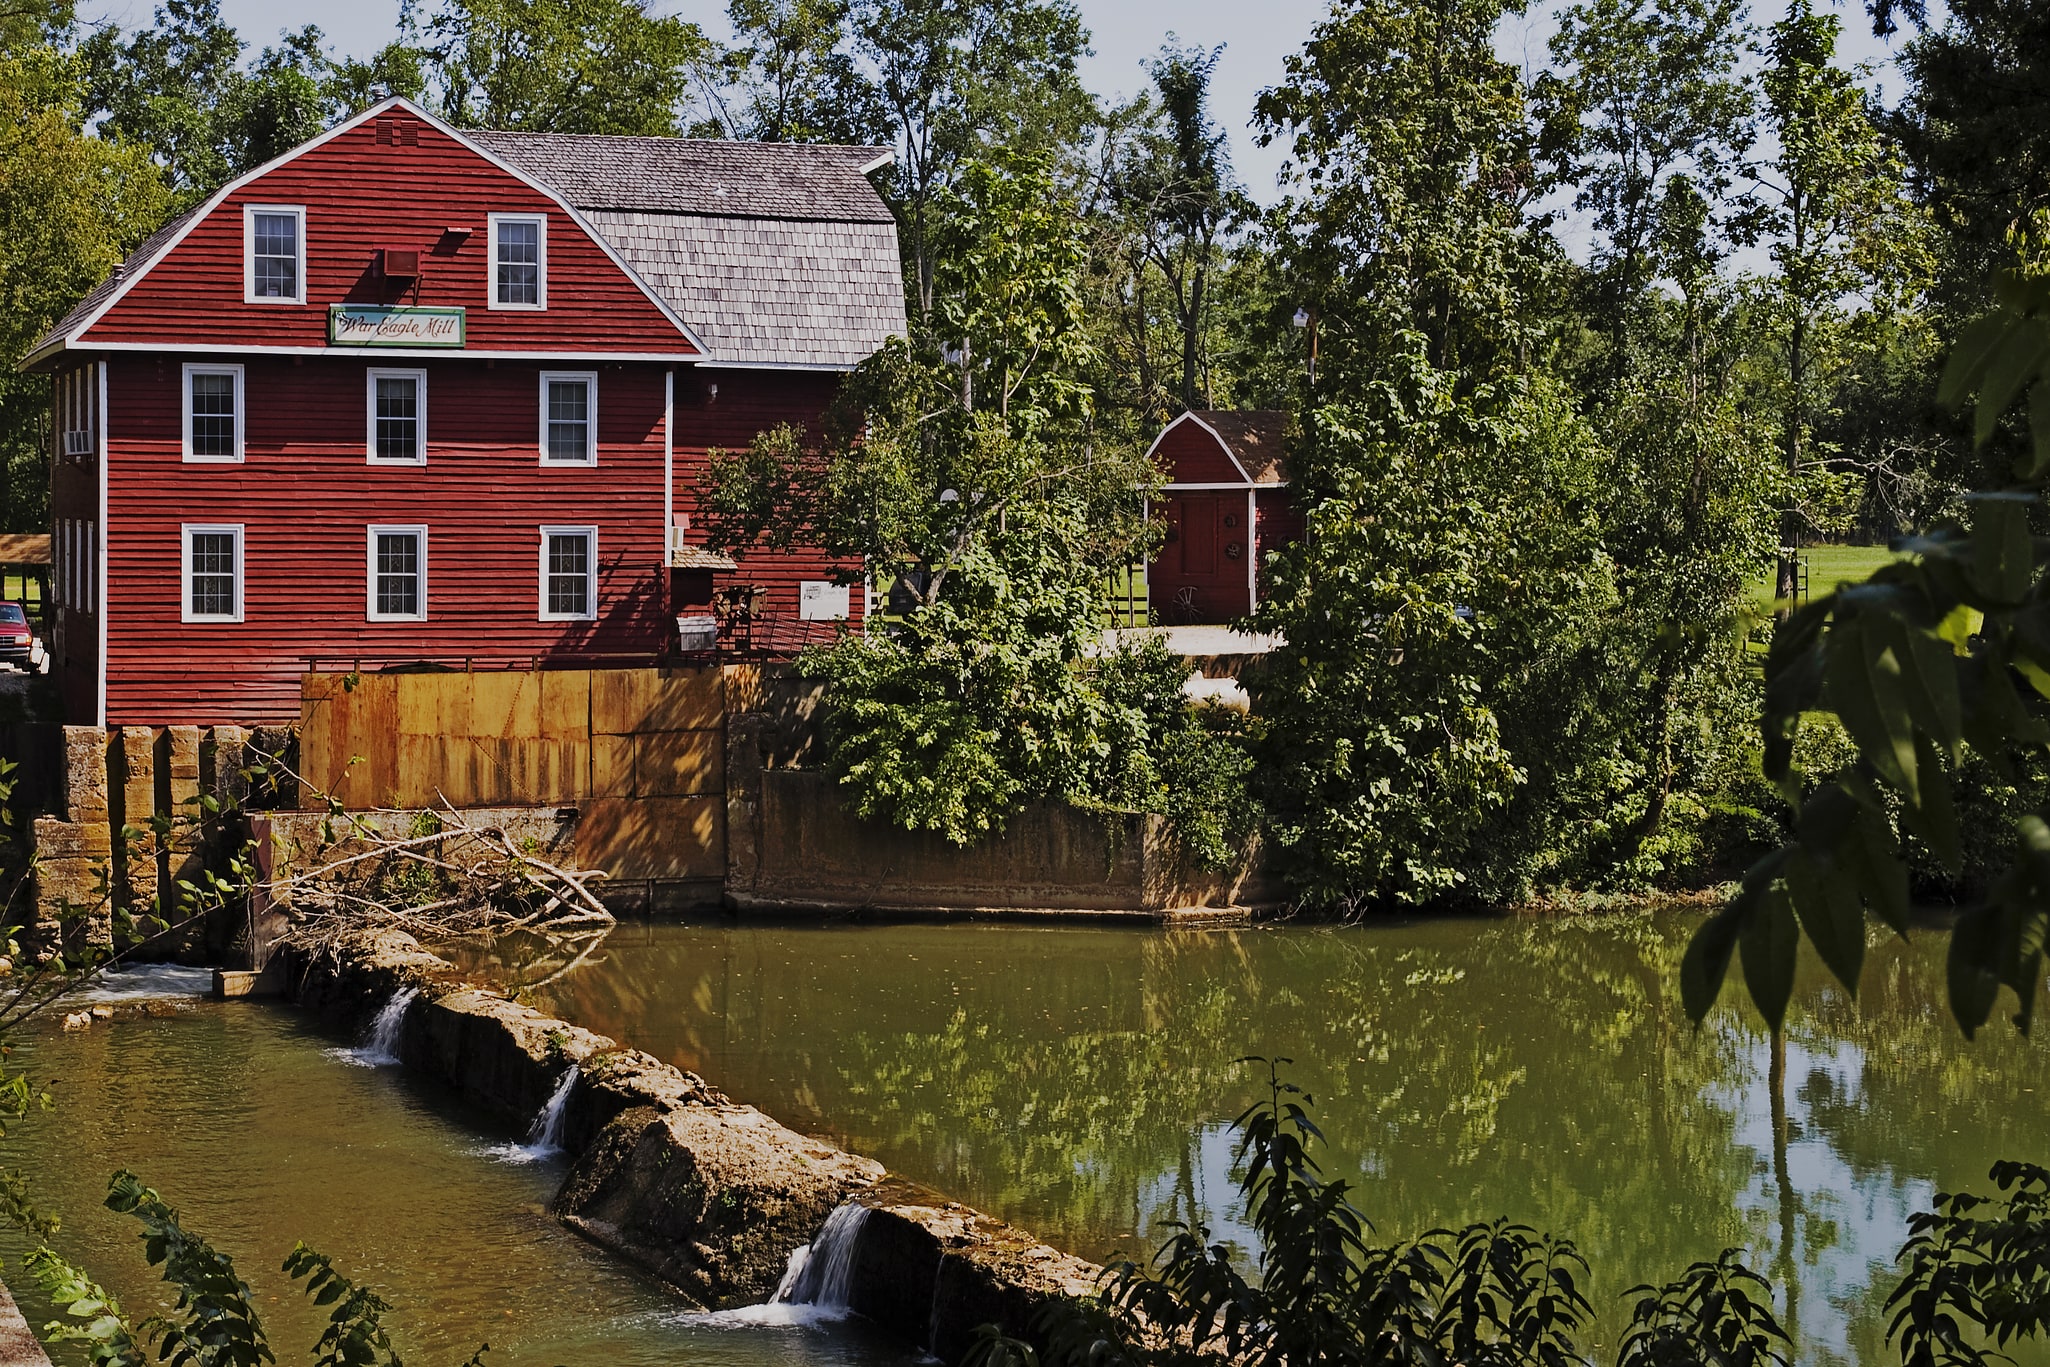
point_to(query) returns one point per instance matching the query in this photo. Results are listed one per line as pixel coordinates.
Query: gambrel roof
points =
(1253, 440)
(777, 254)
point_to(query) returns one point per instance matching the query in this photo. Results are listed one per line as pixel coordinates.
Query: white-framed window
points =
(519, 261)
(569, 574)
(395, 579)
(569, 417)
(213, 413)
(211, 572)
(396, 403)
(274, 254)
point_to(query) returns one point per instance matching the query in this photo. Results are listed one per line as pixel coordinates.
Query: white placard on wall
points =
(819, 601)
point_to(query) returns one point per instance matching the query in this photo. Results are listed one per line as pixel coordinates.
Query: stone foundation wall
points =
(709, 1195)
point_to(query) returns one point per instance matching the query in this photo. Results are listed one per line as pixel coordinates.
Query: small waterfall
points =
(380, 1046)
(822, 1273)
(544, 1136)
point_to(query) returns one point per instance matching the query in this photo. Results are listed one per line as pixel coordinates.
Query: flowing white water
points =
(544, 1137)
(143, 982)
(817, 1285)
(380, 1047)
(822, 1274)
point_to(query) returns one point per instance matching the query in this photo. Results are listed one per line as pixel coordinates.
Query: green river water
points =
(1081, 1081)
(249, 1123)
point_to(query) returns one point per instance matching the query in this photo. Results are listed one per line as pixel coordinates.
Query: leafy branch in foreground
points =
(214, 1322)
(1977, 1270)
(1927, 657)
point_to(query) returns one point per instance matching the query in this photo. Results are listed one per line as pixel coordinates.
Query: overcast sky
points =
(1256, 34)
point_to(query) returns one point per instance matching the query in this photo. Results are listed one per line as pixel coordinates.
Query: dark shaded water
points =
(247, 1123)
(1081, 1082)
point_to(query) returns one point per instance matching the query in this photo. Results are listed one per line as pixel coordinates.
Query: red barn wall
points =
(361, 195)
(1189, 454)
(749, 402)
(305, 496)
(1278, 522)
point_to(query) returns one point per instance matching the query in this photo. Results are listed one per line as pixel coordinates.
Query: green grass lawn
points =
(1828, 566)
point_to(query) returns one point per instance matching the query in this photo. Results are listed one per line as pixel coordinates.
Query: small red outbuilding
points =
(1226, 504)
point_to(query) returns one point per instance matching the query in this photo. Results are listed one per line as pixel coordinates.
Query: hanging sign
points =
(401, 325)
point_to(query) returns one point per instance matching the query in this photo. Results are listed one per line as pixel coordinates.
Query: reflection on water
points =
(1081, 1081)
(235, 1113)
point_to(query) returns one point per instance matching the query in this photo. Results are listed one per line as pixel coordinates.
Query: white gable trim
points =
(1215, 436)
(215, 200)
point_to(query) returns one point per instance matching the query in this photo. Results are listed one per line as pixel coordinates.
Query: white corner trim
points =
(100, 705)
(185, 451)
(589, 378)
(370, 535)
(590, 575)
(668, 472)
(370, 378)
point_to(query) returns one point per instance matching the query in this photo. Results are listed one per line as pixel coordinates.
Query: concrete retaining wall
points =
(793, 845)
(707, 1194)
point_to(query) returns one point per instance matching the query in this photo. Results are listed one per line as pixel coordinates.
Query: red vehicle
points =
(15, 636)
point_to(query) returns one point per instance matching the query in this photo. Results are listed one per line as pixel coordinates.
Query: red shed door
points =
(1193, 580)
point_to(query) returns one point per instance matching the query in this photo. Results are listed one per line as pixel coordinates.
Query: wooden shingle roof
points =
(1254, 438)
(775, 254)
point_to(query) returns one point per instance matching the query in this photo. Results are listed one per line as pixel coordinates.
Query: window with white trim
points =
(274, 254)
(519, 261)
(396, 590)
(569, 574)
(397, 402)
(569, 417)
(212, 577)
(213, 413)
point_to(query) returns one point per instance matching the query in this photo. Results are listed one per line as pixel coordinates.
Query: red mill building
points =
(412, 393)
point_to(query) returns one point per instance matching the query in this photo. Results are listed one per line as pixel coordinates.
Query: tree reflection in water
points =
(1079, 1081)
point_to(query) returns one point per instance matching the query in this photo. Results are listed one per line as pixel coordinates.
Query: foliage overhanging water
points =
(1080, 1081)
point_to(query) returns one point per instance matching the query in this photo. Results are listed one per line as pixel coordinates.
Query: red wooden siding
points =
(305, 496)
(361, 195)
(1196, 578)
(1189, 454)
(750, 402)
(1278, 522)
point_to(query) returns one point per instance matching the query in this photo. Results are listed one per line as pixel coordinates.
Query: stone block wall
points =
(130, 824)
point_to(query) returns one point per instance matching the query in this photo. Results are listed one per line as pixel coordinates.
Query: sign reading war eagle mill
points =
(399, 325)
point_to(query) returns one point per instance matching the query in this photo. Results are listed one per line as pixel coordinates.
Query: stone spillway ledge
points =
(710, 1195)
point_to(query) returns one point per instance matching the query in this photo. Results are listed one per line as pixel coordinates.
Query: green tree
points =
(1830, 207)
(957, 80)
(1415, 148)
(1642, 92)
(1975, 127)
(179, 89)
(587, 66)
(1932, 655)
(1172, 193)
(972, 478)
(797, 80)
(72, 204)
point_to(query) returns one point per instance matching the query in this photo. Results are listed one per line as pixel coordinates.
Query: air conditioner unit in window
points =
(400, 265)
(78, 443)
